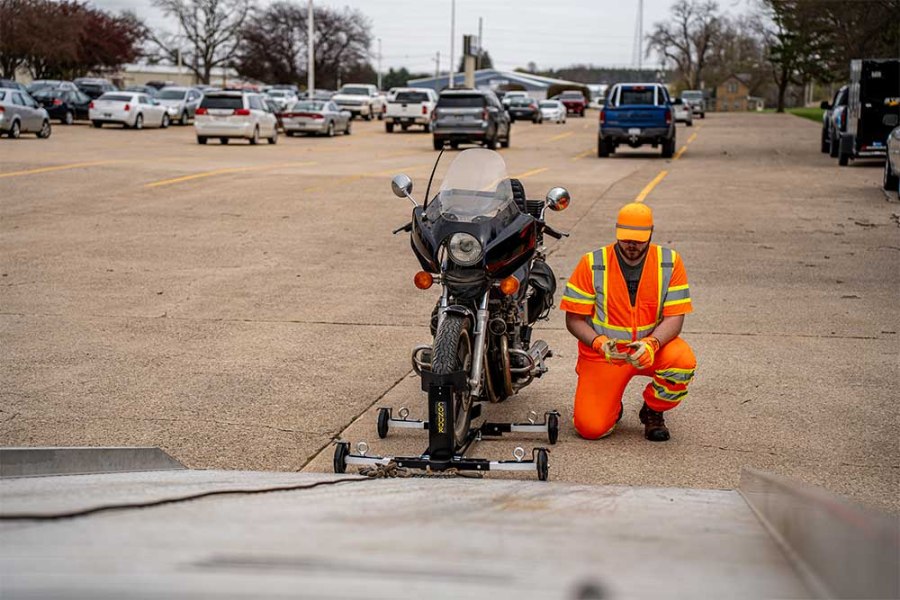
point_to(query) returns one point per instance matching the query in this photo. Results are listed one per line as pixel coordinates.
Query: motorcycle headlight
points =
(465, 249)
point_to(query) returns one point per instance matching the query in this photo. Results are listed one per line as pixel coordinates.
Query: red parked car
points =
(574, 101)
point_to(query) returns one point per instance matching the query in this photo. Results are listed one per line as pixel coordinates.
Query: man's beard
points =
(633, 253)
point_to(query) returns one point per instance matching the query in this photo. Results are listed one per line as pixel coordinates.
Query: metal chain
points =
(392, 470)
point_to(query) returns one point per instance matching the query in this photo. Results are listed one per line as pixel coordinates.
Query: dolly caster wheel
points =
(542, 463)
(341, 452)
(553, 427)
(384, 418)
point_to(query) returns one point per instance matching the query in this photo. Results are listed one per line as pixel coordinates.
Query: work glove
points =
(643, 352)
(614, 351)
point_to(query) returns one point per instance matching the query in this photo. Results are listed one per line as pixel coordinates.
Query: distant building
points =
(137, 74)
(494, 79)
(733, 95)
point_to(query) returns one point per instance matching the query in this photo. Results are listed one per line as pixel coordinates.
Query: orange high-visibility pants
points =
(598, 397)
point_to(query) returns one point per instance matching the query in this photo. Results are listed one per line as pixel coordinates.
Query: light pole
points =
(452, 36)
(379, 64)
(310, 50)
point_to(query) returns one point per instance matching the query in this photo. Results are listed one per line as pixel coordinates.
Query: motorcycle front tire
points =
(452, 351)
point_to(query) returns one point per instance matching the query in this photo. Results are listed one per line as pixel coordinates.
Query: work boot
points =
(654, 422)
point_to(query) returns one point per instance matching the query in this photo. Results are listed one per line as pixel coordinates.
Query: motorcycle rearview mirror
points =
(402, 186)
(558, 199)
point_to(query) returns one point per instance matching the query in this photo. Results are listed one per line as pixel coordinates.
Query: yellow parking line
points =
(680, 152)
(206, 174)
(649, 187)
(561, 136)
(531, 172)
(57, 168)
(584, 154)
(692, 138)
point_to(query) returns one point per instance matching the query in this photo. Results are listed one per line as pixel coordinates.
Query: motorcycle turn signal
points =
(509, 286)
(423, 280)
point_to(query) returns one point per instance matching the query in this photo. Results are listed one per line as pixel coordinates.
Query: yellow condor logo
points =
(441, 417)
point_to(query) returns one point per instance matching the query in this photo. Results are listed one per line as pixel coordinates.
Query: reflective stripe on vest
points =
(600, 269)
(666, 264)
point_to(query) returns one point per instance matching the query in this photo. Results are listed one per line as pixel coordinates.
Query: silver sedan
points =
(323, 118)
(553, 110)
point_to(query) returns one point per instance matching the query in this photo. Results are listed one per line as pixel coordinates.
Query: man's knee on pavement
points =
(594, 429)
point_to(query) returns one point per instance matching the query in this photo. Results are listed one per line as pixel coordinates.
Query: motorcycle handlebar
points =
(554, 233)
(407, 228)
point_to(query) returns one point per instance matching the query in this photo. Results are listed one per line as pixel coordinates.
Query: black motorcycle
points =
(481, 239)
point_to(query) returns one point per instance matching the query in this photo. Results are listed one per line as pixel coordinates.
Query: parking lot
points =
(242, 306)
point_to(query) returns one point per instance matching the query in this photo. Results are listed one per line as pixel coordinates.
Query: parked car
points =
(227, 115)
(360, 100)
(160, 84)
(55, 84)
(511, 95)
(317, 95)
(94, 87)
(285, 98)
(524, 109)
(19, 114)
(553, 110)
(9, 84)
(470, 116)
(129, 110)
(275, 109)
(683, 112)
(892, 163)
(181, 102)
(830, 118)
(410, 106)
(64, 105)
(697, 101)
(316, 117)
(873, 108)
(636, 114)
(284, 86)
(143, 89)
(574, 101)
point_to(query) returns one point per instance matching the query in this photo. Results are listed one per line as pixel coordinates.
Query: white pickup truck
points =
(410, 106)
(361, 100)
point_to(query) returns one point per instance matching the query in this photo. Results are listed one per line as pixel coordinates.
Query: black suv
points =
(873, 108)
(94, 87)
(470, 116)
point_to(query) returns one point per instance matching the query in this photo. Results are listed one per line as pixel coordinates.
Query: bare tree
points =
(209, 33)
(687, 41)
(739, 50)
(341, 45)
(274, 45)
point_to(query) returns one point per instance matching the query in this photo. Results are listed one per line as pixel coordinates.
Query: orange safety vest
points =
(614, 316)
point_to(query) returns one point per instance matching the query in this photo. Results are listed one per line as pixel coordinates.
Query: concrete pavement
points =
(245, 318)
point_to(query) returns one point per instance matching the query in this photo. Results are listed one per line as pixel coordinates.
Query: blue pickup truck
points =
(637, 114)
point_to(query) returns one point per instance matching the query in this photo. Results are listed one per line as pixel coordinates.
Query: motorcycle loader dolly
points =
(550, 424)
(539, 461)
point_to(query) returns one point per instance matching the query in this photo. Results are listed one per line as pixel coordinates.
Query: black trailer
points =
(873, 108)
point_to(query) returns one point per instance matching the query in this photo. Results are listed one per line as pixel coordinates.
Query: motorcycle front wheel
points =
(452, 351)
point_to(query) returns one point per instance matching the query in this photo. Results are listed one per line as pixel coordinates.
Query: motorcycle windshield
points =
(476, 188)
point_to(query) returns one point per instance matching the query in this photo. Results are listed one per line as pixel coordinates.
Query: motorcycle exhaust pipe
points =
(497, 326)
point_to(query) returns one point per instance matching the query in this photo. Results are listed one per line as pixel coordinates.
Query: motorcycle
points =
(482, 240)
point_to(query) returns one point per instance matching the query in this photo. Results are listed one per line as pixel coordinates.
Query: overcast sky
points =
(550, 33)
